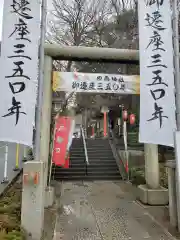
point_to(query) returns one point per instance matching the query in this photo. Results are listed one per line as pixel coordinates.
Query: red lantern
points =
(132, 119)
(125, 115)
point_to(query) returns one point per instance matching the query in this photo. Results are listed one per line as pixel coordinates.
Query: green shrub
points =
(10, 215)
(137, 176)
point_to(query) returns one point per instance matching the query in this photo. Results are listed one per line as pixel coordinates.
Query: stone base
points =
(153, 197)
(49, 197)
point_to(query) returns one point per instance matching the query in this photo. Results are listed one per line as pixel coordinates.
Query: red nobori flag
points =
(63, 126)
(67, 162)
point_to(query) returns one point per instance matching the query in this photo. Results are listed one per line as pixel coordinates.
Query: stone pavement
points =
(102, 211)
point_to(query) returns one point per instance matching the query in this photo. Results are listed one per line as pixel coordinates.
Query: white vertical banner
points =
(125, 135)
(19, 70)
(157, 101)
(71, 134)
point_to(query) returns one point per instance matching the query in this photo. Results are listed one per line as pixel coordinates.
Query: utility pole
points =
(40, 80)
(177, 99)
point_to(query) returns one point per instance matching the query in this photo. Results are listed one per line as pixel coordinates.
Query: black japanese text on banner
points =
(157, 101)
(95, 82)
(19, 70)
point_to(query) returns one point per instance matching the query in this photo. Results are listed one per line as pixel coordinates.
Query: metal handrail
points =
(116, 154)
(85, 147)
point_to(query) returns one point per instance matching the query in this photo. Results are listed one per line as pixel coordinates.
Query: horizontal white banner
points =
(95, 82)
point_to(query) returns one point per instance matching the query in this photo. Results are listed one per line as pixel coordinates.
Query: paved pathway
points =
(102, 211)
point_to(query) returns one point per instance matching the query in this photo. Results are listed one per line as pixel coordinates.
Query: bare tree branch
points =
(74, 22)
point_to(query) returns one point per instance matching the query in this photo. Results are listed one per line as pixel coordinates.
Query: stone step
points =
(89, 168)
(87, 178)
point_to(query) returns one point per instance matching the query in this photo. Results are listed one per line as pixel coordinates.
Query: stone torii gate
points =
(35, 198)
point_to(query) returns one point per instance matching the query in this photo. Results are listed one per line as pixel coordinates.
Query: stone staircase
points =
(102, 165)
(77, 168)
